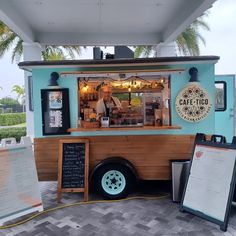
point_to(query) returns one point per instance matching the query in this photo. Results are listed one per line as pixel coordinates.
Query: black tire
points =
(123, 173)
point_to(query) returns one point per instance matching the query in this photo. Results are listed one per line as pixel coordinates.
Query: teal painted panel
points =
(178, 82)
(224, 120)
(40, 81)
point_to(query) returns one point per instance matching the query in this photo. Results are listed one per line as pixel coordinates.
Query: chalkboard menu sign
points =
(73, 166)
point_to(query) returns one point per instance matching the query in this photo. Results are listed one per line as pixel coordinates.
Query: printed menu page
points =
(209, 180)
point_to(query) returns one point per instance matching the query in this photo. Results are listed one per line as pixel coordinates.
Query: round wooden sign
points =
(193, 103)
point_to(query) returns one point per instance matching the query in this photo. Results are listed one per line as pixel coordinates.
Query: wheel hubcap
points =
(113, 182)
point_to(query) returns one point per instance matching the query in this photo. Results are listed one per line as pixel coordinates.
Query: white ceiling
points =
(100, 22)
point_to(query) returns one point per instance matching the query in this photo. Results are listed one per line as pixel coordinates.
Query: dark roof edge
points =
(119, 61)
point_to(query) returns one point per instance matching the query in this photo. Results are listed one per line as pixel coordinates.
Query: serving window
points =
(144, 99)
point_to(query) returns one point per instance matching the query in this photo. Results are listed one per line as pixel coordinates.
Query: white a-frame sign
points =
(19, 189)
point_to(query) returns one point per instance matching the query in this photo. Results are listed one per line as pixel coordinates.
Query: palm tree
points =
(52, 55)
(187, 42)
(20, 91)
(9, 40)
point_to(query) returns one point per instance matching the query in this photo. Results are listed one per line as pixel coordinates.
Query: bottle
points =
(79, 122)
(82, 114)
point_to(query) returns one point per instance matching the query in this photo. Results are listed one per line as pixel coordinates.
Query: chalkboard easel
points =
(73, 167)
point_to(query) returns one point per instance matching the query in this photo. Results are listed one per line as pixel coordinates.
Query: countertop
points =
(80, 129)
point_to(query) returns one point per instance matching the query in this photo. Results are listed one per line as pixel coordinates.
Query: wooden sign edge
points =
(85, 190)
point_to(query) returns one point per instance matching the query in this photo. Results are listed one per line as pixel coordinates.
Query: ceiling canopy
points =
(100, 22)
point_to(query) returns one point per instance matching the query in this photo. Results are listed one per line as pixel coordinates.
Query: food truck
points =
(164, 102)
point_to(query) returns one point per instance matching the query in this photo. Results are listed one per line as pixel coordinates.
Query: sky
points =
(220, 41)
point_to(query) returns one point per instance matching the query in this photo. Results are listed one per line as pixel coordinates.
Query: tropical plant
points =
(144, 51)
(51, 55)
(187, 42)
(10, 40)
(20, 91)
(8, 101)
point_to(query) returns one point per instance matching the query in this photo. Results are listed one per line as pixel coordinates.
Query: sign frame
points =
(24, 146)
(60, 188)
(201, 140)
(53, 112)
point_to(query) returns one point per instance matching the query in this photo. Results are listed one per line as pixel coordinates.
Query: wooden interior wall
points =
(149, 154)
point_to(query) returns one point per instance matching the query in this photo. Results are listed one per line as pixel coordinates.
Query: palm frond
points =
(2, 28)
(51, 50)
(187, 42)
(6, 43)
(200, 38)
(10, 40)
(190, 46)
(53, 53)
(138, 51)
(143, 50)
(72, 49)
(201, 24)
(55, 56)
(17, 51)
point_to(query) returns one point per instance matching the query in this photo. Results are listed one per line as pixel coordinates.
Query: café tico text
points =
(195, 101)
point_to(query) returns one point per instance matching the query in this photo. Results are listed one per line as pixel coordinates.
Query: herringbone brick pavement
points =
(128, 218)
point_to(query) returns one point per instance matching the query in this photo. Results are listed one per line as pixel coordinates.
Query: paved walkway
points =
(133, 217)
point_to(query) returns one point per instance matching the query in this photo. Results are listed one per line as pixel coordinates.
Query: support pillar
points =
(31, 52)
(166, 50)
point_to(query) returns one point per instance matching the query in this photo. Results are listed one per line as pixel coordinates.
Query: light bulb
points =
(85, 88)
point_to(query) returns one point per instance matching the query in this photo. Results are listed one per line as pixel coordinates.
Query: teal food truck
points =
(164, 102)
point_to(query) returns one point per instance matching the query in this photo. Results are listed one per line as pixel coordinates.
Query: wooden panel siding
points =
(150, 155)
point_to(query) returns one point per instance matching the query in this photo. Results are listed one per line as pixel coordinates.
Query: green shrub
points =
(12, 119)
(13, 132)
(8, 101)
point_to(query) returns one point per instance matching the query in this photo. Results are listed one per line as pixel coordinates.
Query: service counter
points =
(125, 131)
(143, 128)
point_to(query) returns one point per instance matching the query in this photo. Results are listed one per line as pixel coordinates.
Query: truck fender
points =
(114, 160)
